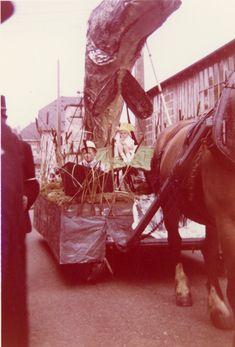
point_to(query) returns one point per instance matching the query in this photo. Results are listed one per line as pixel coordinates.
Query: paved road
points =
(135, 308)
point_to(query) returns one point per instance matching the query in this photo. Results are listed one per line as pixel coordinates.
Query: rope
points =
(128, 115)
(159, 87)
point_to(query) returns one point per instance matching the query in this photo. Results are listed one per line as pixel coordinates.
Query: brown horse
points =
(205, 194)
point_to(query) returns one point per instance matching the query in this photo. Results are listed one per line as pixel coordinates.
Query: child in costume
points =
(125, 145)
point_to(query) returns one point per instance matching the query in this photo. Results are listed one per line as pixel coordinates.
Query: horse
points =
(205, 193)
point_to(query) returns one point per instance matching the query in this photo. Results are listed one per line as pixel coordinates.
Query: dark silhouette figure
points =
(13, 281)
(19, 190)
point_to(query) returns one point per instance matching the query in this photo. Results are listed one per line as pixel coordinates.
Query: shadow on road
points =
(151, 264)
(143, 265)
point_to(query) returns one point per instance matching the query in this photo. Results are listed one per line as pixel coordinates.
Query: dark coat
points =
(75, 175)
(13, 279)
(30, 184)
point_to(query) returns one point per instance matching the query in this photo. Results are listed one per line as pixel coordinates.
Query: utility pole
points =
(59, 157)
(58, 108)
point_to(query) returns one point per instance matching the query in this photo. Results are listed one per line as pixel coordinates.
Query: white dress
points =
(130, 143)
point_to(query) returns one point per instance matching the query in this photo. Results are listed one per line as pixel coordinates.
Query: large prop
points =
(116, 34)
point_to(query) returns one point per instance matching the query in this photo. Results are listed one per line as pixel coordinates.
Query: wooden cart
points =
(83, 233)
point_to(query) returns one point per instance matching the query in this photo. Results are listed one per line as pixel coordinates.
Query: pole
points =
(59, 158)
(159, 88)
(58, 108)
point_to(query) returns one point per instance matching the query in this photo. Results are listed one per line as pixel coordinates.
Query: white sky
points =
(41, 32)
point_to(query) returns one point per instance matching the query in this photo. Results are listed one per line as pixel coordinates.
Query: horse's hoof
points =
(184, 301)
(221, 321)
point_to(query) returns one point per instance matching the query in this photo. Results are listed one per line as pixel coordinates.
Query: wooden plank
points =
(211, 87)
(179, 109)
(191, 97)
(206, 89)
(177, 96)
(226, 69)
(217, 86)
(175, 102)
(201, 92)
(186, 98)
(183, 100)
(196, 92)
(231, 61)
(221, 71)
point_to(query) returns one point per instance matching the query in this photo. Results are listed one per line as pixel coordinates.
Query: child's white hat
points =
(89, 144)
(126, 127)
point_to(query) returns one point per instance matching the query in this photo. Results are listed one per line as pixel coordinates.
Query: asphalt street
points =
(133, 308)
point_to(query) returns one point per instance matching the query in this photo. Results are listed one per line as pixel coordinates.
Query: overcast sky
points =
(41, 32)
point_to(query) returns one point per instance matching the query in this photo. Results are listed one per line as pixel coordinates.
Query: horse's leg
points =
(219, 313)
(231, 288)
(227, 235)
(182, 290)
(231, 284)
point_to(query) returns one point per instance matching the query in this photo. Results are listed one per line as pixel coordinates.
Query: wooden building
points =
(192, 91)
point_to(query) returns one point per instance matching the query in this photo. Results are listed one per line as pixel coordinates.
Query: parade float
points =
(79, 229)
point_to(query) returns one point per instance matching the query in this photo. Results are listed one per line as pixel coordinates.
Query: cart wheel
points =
(96, 272)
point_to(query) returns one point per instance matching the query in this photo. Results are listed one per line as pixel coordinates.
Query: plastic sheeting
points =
(83, 239)
(71, 238)
(187, 230)
(78, 234)
(140, 206)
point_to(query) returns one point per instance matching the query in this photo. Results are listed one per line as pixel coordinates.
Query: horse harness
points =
(221, 119)
(223, 131)
(219, 134)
